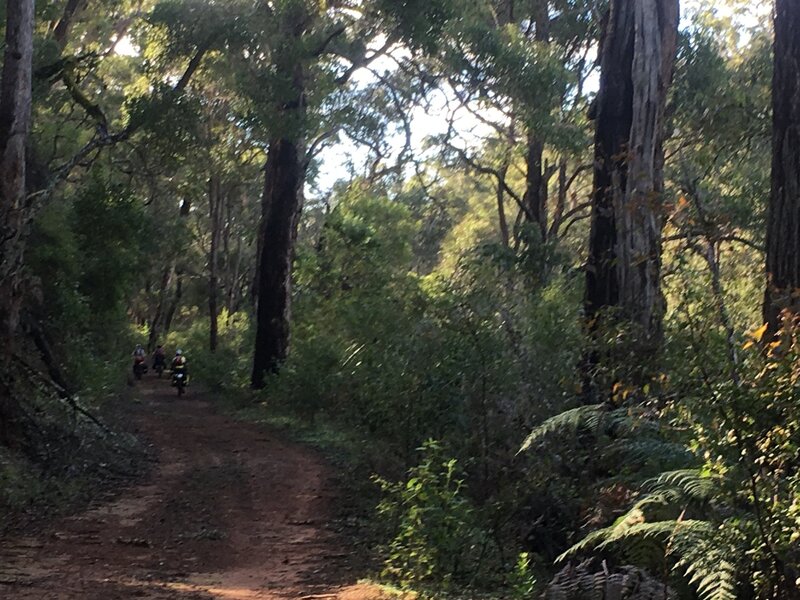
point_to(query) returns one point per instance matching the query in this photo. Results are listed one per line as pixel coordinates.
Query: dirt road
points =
(231, 511)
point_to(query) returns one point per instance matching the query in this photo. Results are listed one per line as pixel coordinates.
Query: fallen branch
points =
(63, 395)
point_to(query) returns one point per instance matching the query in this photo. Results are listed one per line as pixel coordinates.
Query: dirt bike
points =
(139, 367)
(179, 380)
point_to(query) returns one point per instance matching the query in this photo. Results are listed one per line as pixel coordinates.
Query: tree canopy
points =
(536, 260)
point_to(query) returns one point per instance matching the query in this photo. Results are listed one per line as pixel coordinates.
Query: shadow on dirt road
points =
(231, 511)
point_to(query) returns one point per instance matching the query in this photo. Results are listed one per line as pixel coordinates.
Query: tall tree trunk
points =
(283, 178)
(175, 303)
(282, 202)
(505, 237)
(232, 303)
(624, 261)
(561, 199)
(15, 112)
(534, 183)
(783, 224)
(158, 317)
(535, 197)
(226, 266)
(214, 213)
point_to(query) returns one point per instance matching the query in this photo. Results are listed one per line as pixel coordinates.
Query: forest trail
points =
(230, 512)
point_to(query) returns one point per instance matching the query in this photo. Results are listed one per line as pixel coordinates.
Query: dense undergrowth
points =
(458, 391)
(74, 369)
(502, 444)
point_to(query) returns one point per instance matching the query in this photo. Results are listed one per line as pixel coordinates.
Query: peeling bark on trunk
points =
(640, 213)
(623, 269)
(15, 112)
(783, 223)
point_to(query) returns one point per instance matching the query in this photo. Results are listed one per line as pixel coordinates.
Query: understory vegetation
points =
(534, 263)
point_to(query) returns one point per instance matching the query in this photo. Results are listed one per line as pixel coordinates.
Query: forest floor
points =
(230, 511)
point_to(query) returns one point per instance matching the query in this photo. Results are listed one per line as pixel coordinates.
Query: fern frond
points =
(706, 564)
(690, 483)
(628, 529)
(596, 538)
(621, 421)
(568, 421)
(716, 584)
(653, 451)
(692, 541)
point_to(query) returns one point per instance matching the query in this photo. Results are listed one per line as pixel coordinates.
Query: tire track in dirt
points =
(230, 512)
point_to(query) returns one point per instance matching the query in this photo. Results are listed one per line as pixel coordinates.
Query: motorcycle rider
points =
(179, 364)
(138, 361)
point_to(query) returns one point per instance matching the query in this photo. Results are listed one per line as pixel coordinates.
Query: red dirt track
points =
(231, 511)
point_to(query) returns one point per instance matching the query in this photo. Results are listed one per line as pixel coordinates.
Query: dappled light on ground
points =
(229, 511)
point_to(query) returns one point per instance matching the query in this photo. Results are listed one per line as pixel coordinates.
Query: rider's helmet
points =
(178, 352)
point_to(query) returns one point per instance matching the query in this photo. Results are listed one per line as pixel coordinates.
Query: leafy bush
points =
(436, 535)
(724, 525)
(227, 369)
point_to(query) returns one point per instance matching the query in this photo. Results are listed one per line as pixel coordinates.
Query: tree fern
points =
(650, 451)
(582, 582)
(692, 542)
(691, 484)
(601, 418)
(568, 421)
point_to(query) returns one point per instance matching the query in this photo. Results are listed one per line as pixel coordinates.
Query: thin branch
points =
(485, 170)
(102, 138)
(576, 173)
(332, 35)
(365, 61)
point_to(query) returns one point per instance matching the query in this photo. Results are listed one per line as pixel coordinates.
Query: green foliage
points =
(228, 368)
(522, 581)
(395, 358)
(375, 345)
(109, 263)
(419, 22)
(436, 536)
(724, 522)
(86, 278)
(413, 319)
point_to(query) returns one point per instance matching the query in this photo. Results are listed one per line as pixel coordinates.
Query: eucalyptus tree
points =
(295, 72)
(15, 111)
(283, 64)
(520, 70)
(783, 227)
(623, 271)
(302, 55)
